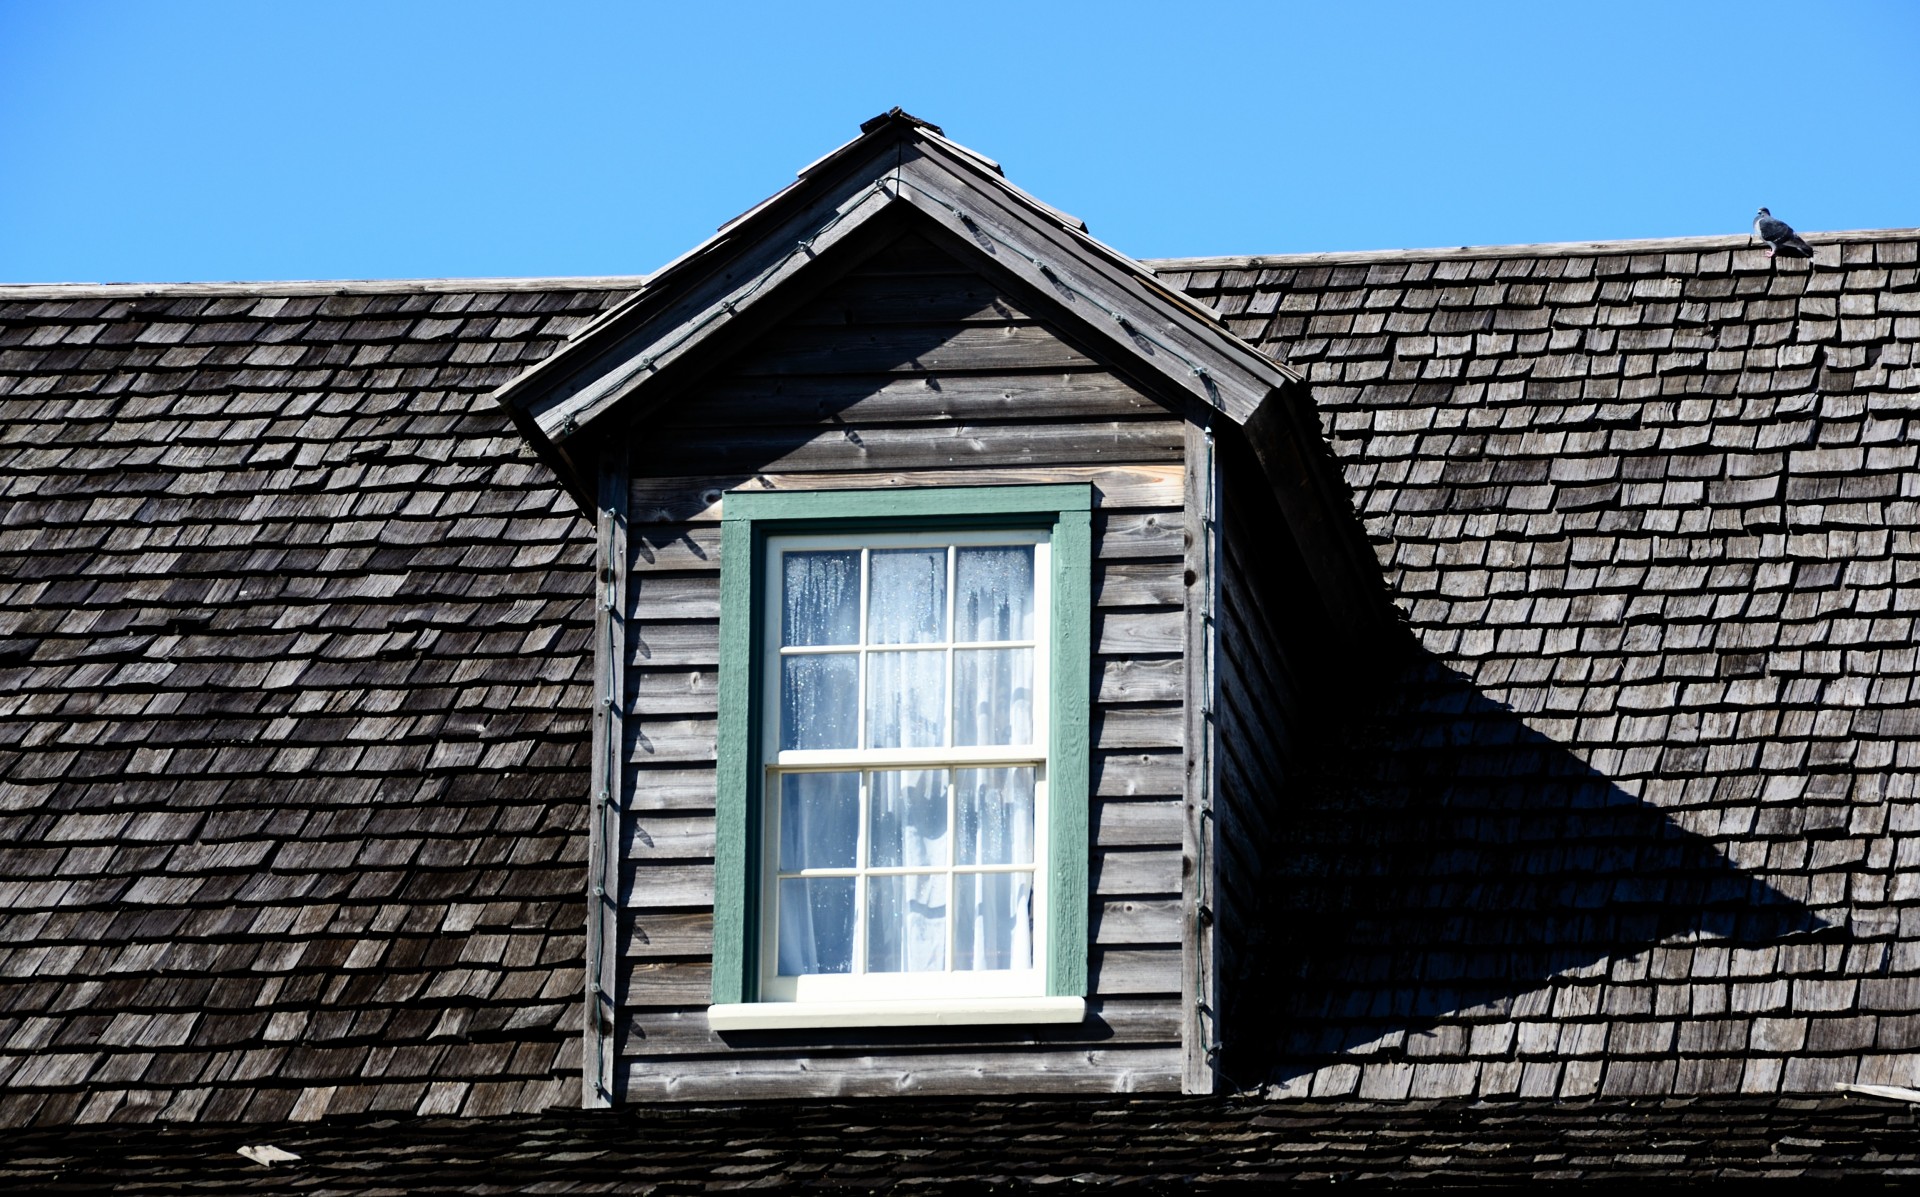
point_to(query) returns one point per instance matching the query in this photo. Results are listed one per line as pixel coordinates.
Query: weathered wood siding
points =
(910, 371)
(1263, 694)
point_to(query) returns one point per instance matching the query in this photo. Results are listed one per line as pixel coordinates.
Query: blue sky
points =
(210, 140)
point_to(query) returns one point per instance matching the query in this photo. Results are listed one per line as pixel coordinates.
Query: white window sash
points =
(948, 984)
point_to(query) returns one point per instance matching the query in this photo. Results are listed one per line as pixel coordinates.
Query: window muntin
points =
(905, 772)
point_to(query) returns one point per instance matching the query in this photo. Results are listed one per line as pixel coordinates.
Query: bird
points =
(1779, 236)
(267, 1156)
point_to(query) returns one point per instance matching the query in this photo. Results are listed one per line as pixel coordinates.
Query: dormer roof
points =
(904, 173)
(899, 167)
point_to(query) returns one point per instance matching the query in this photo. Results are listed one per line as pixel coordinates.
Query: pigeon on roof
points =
(1779, 236)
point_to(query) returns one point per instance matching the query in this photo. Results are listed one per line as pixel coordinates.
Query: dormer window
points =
(882, 809)
(918, 680)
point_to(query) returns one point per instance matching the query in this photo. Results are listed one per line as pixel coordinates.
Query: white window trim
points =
(903, 1012)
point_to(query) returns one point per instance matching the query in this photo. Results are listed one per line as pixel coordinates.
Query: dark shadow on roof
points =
(1442, 862)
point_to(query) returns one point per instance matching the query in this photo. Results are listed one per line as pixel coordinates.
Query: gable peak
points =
(897, 115)
(899, 169)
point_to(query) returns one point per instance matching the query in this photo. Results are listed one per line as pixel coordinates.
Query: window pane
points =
(906, 695)
(993, 696)
(816, 925)
(907, 923)
(995, 814)
(995, 930)
(993, 593)
(907, 599)
(907, 823)
(819, 700)
(819, 821)
(822, 591)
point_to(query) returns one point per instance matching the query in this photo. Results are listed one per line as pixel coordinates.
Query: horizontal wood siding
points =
(1262, 702)
(911, 371)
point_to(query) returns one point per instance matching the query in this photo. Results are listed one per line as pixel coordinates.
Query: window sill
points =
(923, 1012)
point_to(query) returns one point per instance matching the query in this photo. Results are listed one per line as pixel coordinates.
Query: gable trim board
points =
(608, 795)
(1200, 843)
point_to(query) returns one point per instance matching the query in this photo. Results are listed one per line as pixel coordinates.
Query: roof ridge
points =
(377, 286)
(1547, 249)
(623, 282)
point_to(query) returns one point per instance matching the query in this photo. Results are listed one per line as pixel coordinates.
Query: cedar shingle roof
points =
(292, 706)
(292, 647)
(1634, 819)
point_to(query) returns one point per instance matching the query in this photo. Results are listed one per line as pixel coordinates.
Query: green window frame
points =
(749, 518)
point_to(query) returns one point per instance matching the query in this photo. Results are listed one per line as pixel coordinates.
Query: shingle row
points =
(1133, 1145)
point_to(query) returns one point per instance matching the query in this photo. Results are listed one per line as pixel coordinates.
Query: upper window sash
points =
(748, 519)
(862, 648)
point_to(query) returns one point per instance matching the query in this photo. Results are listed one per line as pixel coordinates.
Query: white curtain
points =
(907, 828)
(819, 824)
